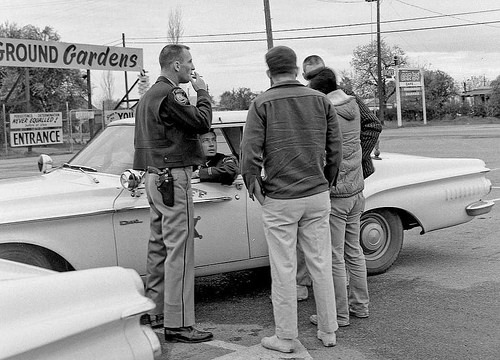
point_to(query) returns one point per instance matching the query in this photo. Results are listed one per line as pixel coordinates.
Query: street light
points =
(381, 100)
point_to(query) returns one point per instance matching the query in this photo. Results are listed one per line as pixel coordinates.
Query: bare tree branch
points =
(175, 28)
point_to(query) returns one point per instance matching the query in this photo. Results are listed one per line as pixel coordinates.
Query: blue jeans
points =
(347, 254)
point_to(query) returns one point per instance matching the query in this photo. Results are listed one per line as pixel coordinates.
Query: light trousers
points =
(306, 221)
(170, 262)
(347, 254)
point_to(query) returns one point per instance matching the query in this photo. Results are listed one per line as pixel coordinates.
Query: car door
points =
(221, 234)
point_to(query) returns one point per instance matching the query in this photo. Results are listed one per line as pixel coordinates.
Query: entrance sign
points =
(36, 137)
(410, 84)
(32, 129)
(54, 54)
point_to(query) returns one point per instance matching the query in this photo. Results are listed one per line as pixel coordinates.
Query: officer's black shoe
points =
(155, 321)
(187, 334)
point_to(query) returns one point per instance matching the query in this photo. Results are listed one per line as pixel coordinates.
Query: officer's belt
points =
(153, 170)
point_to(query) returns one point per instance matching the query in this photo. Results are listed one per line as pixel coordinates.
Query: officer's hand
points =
(198, 82)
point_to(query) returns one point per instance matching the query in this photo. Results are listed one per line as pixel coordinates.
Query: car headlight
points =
(131, 179)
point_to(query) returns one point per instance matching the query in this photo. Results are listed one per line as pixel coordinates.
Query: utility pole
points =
(381, 85)
(126, 79)
(269, 30)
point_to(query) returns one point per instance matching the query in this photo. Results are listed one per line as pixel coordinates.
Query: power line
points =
(319, 27)
(454, 16)
(324, 36)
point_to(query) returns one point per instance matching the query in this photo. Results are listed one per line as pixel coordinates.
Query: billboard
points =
(32, 129)
(54, 54)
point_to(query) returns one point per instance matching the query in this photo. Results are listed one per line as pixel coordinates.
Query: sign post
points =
(409, 83)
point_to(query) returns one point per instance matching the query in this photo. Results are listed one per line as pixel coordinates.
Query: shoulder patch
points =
(180, 96)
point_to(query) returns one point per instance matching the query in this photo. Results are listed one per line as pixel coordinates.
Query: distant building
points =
(479, 96)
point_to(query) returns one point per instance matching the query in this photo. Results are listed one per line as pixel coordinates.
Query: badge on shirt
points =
(180, 96)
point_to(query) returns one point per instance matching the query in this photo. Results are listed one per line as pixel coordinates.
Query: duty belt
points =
(153, 170)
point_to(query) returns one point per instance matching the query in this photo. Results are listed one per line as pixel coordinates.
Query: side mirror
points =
(131, 179)
(44, 163)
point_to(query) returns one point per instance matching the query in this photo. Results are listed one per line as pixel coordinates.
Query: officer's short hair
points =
(171, 53)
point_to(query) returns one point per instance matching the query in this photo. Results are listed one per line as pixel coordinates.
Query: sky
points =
(228, 37)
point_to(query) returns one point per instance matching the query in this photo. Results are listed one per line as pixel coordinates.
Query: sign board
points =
(112, 115)
(54, 54)
(409, 77)
(410, 85)
(36, 137)
(413, 92)
(389, 72)
(84, 115)
(35, 120)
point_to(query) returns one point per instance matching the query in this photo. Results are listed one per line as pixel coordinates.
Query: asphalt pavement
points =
(440, 300)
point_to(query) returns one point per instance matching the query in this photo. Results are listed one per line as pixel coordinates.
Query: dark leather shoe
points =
(187, 334)
(155, 321)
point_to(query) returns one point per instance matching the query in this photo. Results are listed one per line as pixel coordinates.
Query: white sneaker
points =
(328, 339)
(275, 343)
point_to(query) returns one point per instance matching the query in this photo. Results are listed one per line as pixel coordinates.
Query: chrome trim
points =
(30, 221)
(479, 207)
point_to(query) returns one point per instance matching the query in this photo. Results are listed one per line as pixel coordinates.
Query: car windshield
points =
(110, 152)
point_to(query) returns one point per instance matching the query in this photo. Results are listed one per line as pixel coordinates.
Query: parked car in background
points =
(79, 216)
(90, 314)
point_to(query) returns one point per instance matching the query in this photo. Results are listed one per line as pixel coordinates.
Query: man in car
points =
(217, 167)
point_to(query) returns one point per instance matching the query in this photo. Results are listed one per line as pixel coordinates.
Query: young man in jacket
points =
(292, 135)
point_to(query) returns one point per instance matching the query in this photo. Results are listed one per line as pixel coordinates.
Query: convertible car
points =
(93, 212)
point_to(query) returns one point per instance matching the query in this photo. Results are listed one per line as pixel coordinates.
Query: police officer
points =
(167, 146)
(217, 167)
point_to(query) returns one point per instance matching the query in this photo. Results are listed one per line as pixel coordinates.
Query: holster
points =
(165, 185)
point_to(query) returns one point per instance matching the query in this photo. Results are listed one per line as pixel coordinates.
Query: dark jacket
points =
(219, 168)
(370, 131)
(350, 181)
(293, 133)
(167, 127)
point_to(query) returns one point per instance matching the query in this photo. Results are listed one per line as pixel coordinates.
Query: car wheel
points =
(26, 254)
(381, 237)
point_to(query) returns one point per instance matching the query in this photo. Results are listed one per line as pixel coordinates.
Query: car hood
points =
(63, 192)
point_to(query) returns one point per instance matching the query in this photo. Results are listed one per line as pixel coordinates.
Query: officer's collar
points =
(163, 78)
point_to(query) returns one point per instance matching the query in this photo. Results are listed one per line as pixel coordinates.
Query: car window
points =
(110, 152)
(232, 136)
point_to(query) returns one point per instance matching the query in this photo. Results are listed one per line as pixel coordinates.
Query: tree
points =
(175, 28)
(50, 89)
(440, 91)
(364, 63)
(475, 82)
(494, 104)
(237, 99)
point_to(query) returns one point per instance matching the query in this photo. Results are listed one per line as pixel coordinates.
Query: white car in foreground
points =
(78, 215)
(90, 314)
